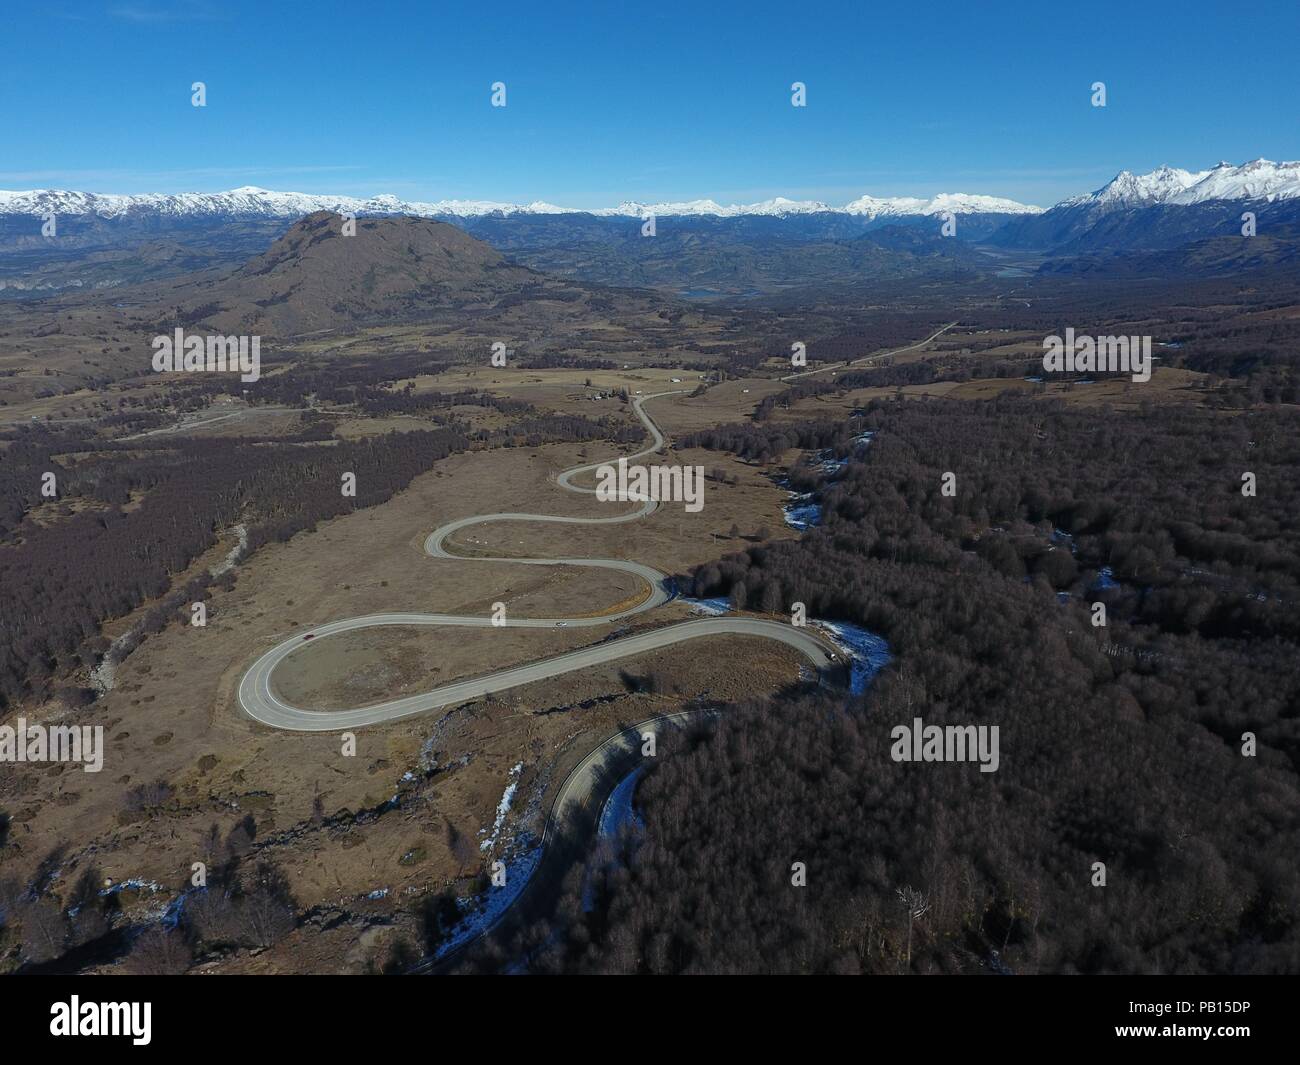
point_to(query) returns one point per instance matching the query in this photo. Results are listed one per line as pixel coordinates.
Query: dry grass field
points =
(173, 715)
(359, 837)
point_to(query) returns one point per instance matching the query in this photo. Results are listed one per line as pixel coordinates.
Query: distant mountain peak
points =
(251, 201)
(1258, 179)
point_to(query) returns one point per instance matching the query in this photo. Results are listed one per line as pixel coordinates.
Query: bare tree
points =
(159, 953)
(45, 931)
(917, 905)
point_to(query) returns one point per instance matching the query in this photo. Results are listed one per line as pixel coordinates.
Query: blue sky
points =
(654, 101)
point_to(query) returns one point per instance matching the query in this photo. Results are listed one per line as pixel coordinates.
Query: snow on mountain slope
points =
(1164, 209)
(874, 207)
(955, 202)
(1127, 189)
(866, 206)
(1258, 179)
(779, 207)
(252, 202)
(246, 202)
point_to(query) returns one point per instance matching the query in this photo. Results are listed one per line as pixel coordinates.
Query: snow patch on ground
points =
(503, 807)
(104, 675)
(134, 882)
(236, 552)
(801, 512)
(867, 653)
(618, 812)
(484, 911)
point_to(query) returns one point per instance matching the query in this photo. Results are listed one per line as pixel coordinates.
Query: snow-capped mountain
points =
(1260, 179)
(1163, 209)
(958, 203)
(246, 202)
(1127, 189)
(1166, 208)
(252, 202)
(779, 207)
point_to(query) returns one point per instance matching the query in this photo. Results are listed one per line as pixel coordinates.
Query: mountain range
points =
(1258, 179)
(252, 202)
(703, 247)
(1165, 209)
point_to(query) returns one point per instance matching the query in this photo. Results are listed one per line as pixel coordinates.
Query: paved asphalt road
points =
(573, 818)
(259, 700)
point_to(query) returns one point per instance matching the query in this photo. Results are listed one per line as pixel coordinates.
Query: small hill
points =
(314, 278)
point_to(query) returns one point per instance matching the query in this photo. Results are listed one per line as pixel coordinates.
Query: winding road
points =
(259, 700)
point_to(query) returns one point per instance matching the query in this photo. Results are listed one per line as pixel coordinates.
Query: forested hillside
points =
(1120, 744)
